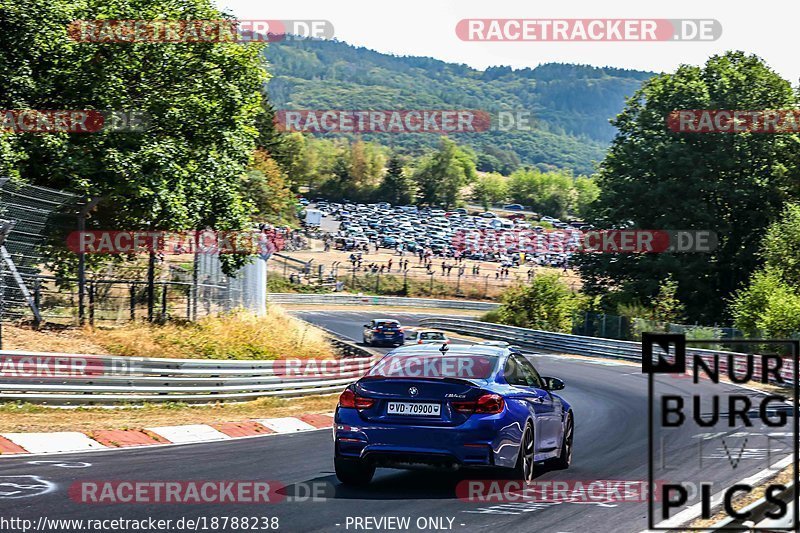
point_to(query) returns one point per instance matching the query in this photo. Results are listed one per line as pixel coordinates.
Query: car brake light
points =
(350, 399)
(364, 403)
(347, 399)
(464, 407)
(488, 404)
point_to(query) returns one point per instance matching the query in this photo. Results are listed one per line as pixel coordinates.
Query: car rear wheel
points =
(524, 469)
(353, 471)
(564, 459)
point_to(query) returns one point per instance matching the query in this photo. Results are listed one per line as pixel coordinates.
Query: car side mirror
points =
(553, 383)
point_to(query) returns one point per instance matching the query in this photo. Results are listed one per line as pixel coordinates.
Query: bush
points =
(547, 303)
(767, 307)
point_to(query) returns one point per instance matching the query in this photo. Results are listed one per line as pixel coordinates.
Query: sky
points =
(427, 28)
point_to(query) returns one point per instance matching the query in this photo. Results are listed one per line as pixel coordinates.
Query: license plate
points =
(414, 409)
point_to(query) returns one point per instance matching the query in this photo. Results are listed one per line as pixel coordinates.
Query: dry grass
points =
(235, 336)
(784, 477)
(67, 340)
(31, 418)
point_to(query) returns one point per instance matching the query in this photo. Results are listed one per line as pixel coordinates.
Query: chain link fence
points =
(42, 281)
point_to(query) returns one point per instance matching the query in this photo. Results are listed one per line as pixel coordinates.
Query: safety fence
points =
(76, 379)
(391, 301)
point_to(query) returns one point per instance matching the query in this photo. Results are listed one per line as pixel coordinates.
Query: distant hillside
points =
(571, 103)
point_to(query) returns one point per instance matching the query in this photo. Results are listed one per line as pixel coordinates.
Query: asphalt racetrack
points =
(611, 443)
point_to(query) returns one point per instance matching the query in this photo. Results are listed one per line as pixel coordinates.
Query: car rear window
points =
(387, 325)
(432, 336)
(465, 366)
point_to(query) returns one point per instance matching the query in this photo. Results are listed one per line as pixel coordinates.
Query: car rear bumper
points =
(481, 441)
(386, 339)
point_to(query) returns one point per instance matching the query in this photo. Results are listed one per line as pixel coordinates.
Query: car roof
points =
(386, 320)
(453, 349)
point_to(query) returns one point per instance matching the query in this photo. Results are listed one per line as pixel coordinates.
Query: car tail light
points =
(488, 404)
(347, 399)
(464, 407)
(350, 399)
(364, 403)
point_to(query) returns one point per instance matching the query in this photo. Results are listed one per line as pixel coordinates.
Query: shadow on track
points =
(416, 484)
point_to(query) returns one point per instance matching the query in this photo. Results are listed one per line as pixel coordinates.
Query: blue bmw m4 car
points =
(454, 406)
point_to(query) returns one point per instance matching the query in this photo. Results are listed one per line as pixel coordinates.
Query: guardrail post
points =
(189, 304)
(195, 270)
(37, 297)
(164, 302)
(151, 289)
(91, 303)
(132, 303)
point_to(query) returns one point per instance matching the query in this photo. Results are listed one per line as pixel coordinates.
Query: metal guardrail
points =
(397, 301)
(549, 341)
(76, 379)
(757, 518)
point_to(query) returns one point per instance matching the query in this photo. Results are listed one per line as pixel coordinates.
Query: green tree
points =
(490, 189)
(666, 305)
(204, 101)
(734, 184)
(547, 303)
(265, 190)
(586, 192)
(781, 245)
(548, 193)
(397, 187)
(770, 303)
(443, 174)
